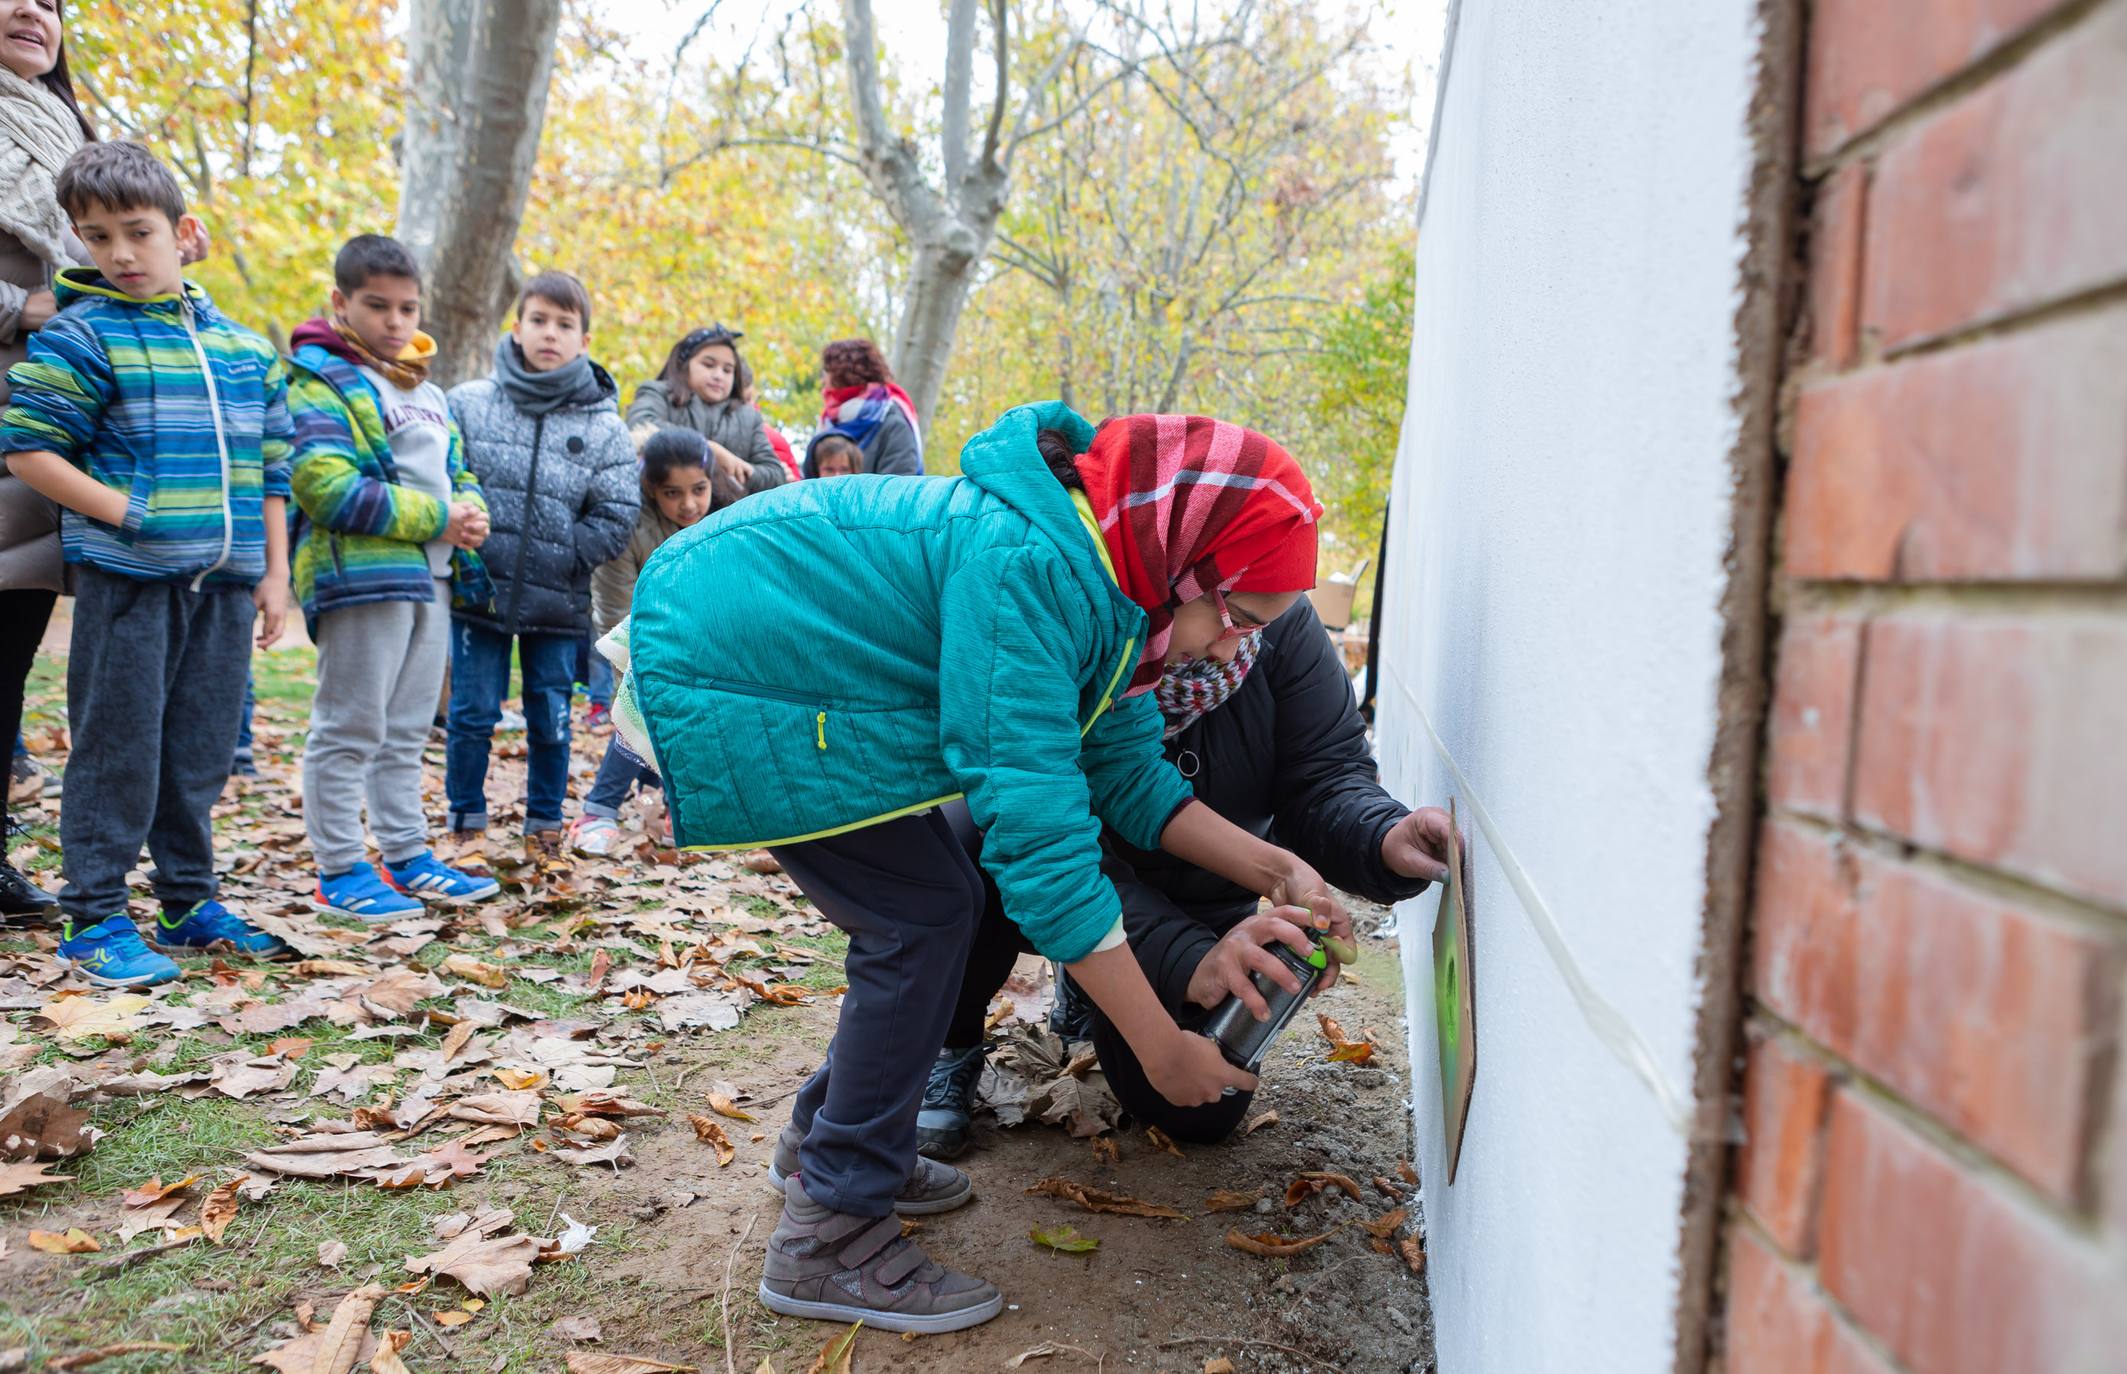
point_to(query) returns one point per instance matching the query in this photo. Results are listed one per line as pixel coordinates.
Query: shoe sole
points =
(102, 981)
(931, 1149)
(446, 899)
(378, 919)
(931, 1325)
(929, 1207)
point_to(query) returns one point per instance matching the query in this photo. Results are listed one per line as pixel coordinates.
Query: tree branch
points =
(1000, 34)
(959, 76)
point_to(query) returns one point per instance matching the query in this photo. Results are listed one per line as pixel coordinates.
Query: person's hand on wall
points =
(1227, 970)
(1417, 845)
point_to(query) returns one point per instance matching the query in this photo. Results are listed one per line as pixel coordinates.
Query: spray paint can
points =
(1243, 1039)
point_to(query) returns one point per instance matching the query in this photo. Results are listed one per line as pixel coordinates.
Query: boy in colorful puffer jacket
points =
(162, 430)
(390, 520)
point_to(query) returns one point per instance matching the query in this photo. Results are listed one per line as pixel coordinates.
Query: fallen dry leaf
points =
(520, 1080)
(583, 1362)
(17, 1178)
(1064, 1238)
(386, 1360)
(454, 1317)
(575, 1328)
(589, 1127)
(1258, 1123)
(1413, 1253)
(1046, 1350)
(1273, 1245)
(614, 1152)
(506, 1108)
(1361, 1053)
(484, 1265)
(1405, 1172)
(37, 1120)
(77, 1018)
(834, 1357)
(72, 1241)
(359, 1154)
(1163, 1143)
(1385, 1225)
(1227, 1200)
(219, 1209)
(1308, 1184)
(155, 1190)
(347, 1334)
(1100, 1200)
(331, 1252)
(476, 971)
(1218, 1364)
(709, 1133)
(290, 1046)
(1106, 1151)
(724, 1106)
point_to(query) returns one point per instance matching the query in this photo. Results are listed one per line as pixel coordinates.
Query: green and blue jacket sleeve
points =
(60, 391)
(331, 485)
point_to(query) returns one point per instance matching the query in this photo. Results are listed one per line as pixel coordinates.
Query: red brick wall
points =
(1934, 1173)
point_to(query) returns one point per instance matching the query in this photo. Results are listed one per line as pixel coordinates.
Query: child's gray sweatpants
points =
(380, 668)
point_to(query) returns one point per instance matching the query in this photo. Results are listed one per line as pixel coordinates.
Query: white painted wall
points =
(1560, 509)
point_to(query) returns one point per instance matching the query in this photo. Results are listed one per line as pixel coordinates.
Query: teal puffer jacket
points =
(829, 655)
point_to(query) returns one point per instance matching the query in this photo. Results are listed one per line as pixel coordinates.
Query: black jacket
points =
(1285, 758)
(562, 495)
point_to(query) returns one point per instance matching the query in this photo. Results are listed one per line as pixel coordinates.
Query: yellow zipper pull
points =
(820, 727)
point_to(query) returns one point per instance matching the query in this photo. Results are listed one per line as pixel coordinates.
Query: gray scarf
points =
(38, 133)
(579, 383)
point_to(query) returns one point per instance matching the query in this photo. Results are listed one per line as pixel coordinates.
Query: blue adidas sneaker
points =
(210, 923)
(360, 893)
(429, 878)
(112, 954)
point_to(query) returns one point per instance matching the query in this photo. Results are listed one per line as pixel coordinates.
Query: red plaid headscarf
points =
(1187, 503)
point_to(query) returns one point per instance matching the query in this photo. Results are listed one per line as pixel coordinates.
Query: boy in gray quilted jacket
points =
(545, 437)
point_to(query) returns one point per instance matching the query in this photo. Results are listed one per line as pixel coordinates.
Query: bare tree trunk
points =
(475, 102)
(952, 226)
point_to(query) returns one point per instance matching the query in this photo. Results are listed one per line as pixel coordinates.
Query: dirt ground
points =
(1156, 1294)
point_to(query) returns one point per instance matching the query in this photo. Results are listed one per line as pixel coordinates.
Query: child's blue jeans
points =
(480, 678)
(617, 773)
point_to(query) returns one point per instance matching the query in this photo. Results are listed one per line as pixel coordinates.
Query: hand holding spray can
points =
(1243, 1039)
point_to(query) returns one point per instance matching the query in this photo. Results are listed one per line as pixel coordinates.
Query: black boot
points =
(20, 897)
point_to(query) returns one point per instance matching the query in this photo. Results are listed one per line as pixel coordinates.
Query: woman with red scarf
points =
(1010, 627)
(862, 403)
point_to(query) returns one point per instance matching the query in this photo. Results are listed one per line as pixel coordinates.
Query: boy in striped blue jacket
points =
(161, 429)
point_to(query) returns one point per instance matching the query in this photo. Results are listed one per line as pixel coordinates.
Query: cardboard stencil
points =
(1454, 999)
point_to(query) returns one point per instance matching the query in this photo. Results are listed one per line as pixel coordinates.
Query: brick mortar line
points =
(1973, 600)
(1947, 90)
(1811, 373)
(2086, 1227)
(2025, 893)
(1811, 1275)
(2095, 299)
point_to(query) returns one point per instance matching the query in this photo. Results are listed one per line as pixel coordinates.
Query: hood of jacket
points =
(72, 284)
(317, 332)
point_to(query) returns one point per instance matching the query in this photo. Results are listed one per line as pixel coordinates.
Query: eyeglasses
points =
(1231, 630)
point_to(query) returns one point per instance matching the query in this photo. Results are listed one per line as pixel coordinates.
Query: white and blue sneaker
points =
(360, 893)
(112, 954)
(432, 880)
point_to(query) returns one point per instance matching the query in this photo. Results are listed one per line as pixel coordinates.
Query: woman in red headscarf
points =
(994, 637)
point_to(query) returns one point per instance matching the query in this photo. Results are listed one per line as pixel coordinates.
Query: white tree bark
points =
(476, 97)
